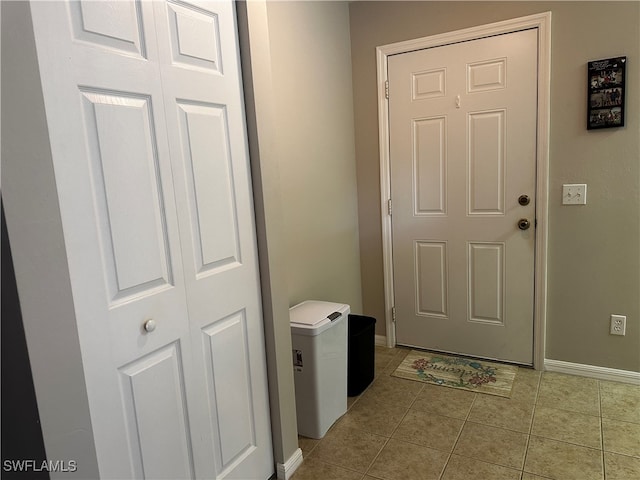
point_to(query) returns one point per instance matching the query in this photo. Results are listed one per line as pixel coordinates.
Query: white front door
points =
(463, 161)
(145, 114)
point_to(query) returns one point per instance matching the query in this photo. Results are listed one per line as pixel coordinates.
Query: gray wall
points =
(258, 90)
(594, 254)
(311, 65)
(297, 74)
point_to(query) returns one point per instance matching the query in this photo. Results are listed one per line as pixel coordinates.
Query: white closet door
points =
(156, 210)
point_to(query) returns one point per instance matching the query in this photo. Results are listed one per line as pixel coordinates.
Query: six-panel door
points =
(463, 149)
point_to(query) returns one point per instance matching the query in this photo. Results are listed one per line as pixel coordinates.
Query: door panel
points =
(486, 282)
(431, 279)
(112, 25)
(486, 163)
(131, 213)
(195, 36)
(229, 376)
(486, 75)
(429, 84)
(430, 166)
(203, 130)
(153, 388)
(462, 148)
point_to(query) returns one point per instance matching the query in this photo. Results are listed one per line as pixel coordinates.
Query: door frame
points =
(541, 22)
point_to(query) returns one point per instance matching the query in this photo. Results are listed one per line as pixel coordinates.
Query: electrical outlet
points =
(618, 325)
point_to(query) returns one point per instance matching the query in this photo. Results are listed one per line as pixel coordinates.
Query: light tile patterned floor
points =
(554, 426)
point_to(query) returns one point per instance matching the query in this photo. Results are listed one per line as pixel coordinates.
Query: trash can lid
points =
(314, 314)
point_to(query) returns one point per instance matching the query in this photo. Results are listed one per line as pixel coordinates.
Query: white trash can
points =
(319, 341)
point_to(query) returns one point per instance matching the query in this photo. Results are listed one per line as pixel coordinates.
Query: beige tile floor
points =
(554, 426)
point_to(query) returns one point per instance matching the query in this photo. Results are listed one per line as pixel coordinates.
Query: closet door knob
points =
(150, 325)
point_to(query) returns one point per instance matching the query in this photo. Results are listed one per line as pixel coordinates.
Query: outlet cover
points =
(618, 325)
(574, 194)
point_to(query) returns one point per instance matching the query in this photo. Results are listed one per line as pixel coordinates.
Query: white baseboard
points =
(284, 471)
(381, 340)
(600, 373)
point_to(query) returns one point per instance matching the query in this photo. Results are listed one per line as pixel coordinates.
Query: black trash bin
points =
(360, 353)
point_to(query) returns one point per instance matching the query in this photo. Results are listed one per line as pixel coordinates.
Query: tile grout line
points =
(446, 464)
(533, 418)
(366, 472)
(604, 465)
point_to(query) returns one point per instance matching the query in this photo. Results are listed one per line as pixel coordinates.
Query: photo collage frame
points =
(606, 91)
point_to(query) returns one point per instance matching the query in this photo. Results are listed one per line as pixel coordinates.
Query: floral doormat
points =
(458, 372)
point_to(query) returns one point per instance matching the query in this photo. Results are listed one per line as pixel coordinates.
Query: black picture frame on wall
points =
(606, 93)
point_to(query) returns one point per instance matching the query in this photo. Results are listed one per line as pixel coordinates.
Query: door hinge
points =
(386, 89)
(389, 207)
(393, 314)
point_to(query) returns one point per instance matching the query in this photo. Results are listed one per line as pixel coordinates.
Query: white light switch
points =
(574, 194)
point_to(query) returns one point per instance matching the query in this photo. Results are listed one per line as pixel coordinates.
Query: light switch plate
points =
(574, 194)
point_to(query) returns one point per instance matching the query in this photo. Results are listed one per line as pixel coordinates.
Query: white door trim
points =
(542, 22)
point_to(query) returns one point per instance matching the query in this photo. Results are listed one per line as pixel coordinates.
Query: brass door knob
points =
(524, 224)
